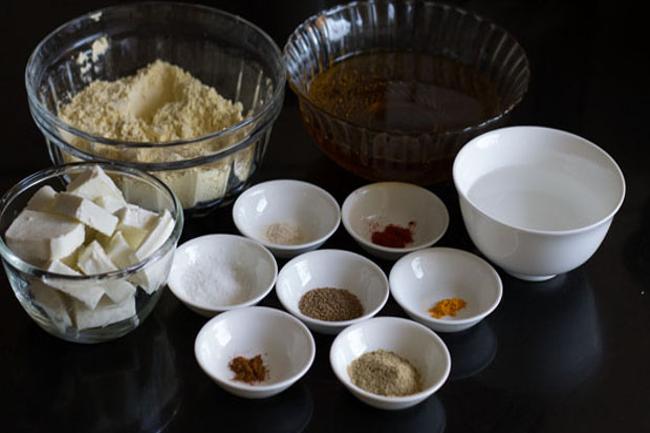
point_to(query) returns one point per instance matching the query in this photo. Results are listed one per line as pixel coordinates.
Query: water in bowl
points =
(537, 198)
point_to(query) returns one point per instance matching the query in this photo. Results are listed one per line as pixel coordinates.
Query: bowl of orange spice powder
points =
(446, 289)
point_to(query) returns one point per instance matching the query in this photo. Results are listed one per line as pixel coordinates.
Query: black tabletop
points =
(568, 355)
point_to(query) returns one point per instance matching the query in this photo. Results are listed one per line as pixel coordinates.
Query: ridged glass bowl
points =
(401, 26)
(36, 288)
(222, 50)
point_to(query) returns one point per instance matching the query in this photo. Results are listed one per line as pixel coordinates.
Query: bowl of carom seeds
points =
(390, 363)
(329, 290)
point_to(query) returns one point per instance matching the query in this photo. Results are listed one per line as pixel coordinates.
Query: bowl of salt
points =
(219, 272)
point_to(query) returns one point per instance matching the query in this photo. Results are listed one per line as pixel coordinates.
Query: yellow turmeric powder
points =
(447, 307)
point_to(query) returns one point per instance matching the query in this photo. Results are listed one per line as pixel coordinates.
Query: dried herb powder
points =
(248, 370)
(330, 304)
(385, 373)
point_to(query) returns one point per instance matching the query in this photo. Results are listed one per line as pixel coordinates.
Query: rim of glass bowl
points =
(43, 111)
(63, 170)
(355, 4)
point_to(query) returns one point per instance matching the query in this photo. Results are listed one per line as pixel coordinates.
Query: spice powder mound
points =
(248, 370)
(447, 307)
(385, 373)
(285, 234)
(393, 235)
(330, 304)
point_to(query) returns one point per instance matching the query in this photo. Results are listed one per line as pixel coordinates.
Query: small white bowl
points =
(412, 341)
(300, 205)
(201, 265)
(332, 268)
(420, 279)
(537, 201)
(376, 205)
(286, 345)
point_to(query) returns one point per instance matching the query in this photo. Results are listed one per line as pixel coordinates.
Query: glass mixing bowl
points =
(401, 26)
(222, 50)
(35, 287)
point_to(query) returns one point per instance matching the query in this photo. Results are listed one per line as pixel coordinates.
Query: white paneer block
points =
(157, 236)
(154, 275)
(119, 290)
(93, 184)
(104, 314)
(42, 200)
(145, 195)
(51, 302)
(110, 203)
(93, 260)
(87, 292)
(119, 251)
(39, 237)
(134, 216)
(86, 212)
(58, 267)
(135, 223)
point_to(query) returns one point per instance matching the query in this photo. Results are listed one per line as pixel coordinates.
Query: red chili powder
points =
(394, 236)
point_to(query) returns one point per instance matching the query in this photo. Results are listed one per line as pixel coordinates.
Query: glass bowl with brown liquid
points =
(391, 90)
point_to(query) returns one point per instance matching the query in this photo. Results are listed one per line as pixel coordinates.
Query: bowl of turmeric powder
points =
(446, 289)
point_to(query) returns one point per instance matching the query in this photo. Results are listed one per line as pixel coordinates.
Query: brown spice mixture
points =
(248, 370)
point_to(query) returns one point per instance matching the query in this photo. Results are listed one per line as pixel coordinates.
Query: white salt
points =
(216, 283)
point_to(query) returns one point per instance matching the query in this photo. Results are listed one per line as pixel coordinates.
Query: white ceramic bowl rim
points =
(472, 143)
(366, 315)
(346, 223)
(405, 398)
(287, 247)
(249, 387)
(466, 320)
(185, 299)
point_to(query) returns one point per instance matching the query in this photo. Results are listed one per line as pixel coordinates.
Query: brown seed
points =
(330, 304)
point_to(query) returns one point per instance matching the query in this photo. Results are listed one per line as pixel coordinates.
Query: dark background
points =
(568, 355)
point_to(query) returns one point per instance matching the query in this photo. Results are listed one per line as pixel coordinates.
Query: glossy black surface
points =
(568, 355)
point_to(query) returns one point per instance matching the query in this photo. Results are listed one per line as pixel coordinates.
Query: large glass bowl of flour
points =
(206, 155)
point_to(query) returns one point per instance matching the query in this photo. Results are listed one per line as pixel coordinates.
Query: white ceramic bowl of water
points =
(537, 201)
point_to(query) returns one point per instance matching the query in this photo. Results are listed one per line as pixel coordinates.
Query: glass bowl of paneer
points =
(87, 247)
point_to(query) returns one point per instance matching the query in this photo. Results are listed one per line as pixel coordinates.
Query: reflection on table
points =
(471, 351)
(549, 336)
(428, 416)
(129, 384)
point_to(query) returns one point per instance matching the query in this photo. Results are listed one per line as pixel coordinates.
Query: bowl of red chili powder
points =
(390, 219)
